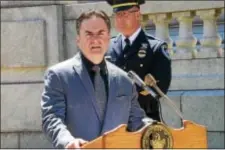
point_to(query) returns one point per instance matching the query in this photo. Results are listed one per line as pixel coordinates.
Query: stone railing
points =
(182, 12)
(186, 44)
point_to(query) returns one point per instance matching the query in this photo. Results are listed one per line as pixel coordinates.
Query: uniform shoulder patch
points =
(157, 44)
(154, 41)
(165, 52)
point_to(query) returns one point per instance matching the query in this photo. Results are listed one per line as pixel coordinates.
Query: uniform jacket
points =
(146, 55)
(69, 107)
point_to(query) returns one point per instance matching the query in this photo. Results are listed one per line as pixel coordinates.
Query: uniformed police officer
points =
(136, 50)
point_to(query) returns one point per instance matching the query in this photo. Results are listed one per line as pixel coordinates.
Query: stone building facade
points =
(38, 34)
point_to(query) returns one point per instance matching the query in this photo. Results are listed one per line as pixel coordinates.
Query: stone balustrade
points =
(186, 44)
(184, 14)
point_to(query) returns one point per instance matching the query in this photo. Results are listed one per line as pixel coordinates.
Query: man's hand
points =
(76, 143)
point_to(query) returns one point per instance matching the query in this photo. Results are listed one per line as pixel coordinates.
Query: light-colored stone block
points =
(205, 108)
(52, 15)
(34, 140)
(150, 7)
(201, 66)
(70, 38)
(176, 6)
(23, 44)
(24, 3)
(74, 11)
(197, 82)
(13, 75)
(197, 74)
(9, 140)
(20, 107)
(216, 140)
(67, 2)
(168, 113)
(19, 53)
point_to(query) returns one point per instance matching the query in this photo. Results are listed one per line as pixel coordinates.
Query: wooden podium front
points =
(157, 135)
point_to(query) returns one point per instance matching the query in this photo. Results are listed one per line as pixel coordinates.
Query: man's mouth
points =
(96, 49)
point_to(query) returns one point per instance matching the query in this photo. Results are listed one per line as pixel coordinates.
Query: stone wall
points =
(35, 35)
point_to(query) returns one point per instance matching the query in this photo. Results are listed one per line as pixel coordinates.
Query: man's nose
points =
(95, 40)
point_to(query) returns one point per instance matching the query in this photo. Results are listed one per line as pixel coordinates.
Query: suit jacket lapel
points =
(112, 94)
(111, 86)
(85, 79)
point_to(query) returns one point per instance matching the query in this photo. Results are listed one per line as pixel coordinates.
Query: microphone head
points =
(131, 74)
(135, 78)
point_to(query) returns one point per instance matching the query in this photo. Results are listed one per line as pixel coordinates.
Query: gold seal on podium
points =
(157, 136)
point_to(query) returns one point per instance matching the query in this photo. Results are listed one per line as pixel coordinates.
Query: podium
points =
(156, 135)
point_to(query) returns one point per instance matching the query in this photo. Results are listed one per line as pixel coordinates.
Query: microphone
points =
(140, 82)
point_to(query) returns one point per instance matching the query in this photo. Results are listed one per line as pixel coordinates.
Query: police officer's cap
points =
(120, 5)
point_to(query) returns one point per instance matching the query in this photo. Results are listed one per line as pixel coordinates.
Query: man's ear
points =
(138, 15)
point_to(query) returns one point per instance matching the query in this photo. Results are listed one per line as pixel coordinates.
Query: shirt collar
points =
(132, 37)
(88, 64)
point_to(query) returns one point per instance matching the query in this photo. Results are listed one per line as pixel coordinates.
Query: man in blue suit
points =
(74, 111)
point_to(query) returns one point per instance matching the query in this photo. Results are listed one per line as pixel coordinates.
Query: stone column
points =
(211, 40)
(186, 43)
(161, 22)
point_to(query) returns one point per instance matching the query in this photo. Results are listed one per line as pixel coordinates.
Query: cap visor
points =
(115, 10)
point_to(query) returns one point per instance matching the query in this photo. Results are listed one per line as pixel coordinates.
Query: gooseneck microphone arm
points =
(150, 81)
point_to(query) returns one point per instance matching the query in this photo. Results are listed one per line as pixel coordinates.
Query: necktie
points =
(100, 91)
(127, 46)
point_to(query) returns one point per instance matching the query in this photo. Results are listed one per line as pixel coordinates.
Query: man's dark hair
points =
(91, 13)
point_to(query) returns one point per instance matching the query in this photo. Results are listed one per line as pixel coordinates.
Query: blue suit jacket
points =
(69, 108)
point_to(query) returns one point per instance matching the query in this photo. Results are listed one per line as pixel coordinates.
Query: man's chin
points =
(97, 53)
(97, 59)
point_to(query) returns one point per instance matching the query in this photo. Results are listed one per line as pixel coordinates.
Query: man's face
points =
(127, 21)
(93, 39)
